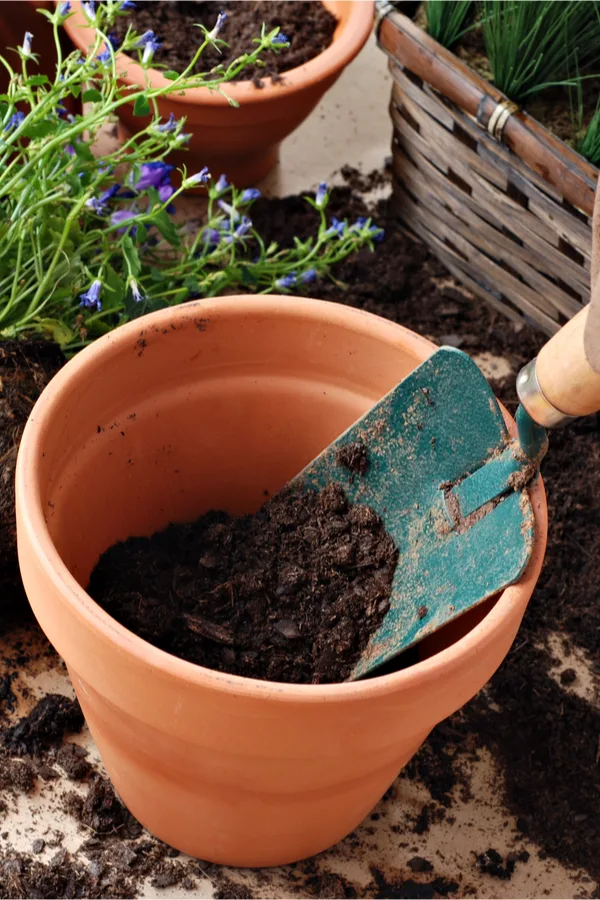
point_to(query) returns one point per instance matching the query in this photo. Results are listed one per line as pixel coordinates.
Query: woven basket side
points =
(498, 225)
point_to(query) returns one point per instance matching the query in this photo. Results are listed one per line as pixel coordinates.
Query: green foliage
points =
(447, 20)
(535, 44)
(87, 243)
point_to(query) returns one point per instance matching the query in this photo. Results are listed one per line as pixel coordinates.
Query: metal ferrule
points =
(535, 402)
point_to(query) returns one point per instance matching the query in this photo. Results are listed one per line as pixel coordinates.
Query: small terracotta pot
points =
(244, 143)
(207, 405)
(17, 17)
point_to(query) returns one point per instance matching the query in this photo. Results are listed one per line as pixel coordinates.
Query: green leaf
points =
(37, 80)
(62, 334)
(192, 284)
(141, 107)
(170, 75)
(91, 96)
(141, 234)
(75, 89)
(131, 255)
(39, 130)
(115, 285)
(82, 150)
(166, 228)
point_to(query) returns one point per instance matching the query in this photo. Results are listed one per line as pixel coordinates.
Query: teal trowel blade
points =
(439, 425)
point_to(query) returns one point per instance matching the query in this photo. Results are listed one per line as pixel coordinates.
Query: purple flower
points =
(64, 8)
(127, 4)
(249, 194)
(145, 38)
(221, 18)
(222, 184)
(165, 191)
(135, 290)
(149, 51)
(70, 150)
(89, 9)
(109, 193)
(91, 298)
(26, 48)
(211, 237)
(321, 195)
(171, 125)
(309, 276)
(376, 233)
(336, 227)
(243, 228)
(279, 39)
(200, 177)
(14, 121)
(153, 175)
(287, 281)
(122, 217)
(114, 40)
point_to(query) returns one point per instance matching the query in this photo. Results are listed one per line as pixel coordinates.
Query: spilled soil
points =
(290, 594)
(308, 25)
(25, 369)
(536, 717)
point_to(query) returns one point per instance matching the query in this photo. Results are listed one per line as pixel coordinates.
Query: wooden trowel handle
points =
(564, 372)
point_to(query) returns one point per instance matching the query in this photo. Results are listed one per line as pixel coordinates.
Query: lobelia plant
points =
(87, 243)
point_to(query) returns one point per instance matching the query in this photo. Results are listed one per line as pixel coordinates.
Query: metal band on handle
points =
(382, 9)
(534, 401)
(500, 117)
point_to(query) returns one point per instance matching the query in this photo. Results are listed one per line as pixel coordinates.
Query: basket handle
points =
(591, 338)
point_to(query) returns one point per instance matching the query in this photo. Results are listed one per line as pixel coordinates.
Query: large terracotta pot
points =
(244, 143)
(207, 405)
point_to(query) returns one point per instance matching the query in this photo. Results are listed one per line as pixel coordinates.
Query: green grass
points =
(447, 20)
(535, 44)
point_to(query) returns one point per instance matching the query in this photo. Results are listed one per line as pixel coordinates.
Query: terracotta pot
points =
(206, 405)
(244, 143)
(17, 17)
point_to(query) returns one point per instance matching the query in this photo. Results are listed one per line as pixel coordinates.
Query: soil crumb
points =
(354, 457)
(290, 594)
(308, 25)
(47, 723)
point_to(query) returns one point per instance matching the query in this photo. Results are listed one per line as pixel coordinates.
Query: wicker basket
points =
(502, 202)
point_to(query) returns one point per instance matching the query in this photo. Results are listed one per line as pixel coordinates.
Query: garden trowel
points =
(450, 484)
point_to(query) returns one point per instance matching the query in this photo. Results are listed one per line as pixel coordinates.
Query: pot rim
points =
(344, 47)
(31, 515)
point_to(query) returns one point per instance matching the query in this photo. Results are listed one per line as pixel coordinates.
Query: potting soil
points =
(537, 721)
(308, 25)
(290, 594)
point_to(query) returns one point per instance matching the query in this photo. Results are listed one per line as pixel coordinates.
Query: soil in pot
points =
(25, 369)
(290, 594)
(308, 26)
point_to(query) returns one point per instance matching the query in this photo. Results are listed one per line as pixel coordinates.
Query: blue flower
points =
(309, 276)
(89, 9)
(321, 195)
(26, 48)
(127, 4)
(14, 121)
(145, 38)
(249, 194)
(279, 39)
(218, 25)
(153, 175)
(200, 177)
(149, 51)
(95, 204)
(91, 298)
(171, 125)
(222, 184)
(243, 228)
(114, 40)
(135, 290)
(64, 8)
(105, 56)
(287, 281)
(109, 193)
(336, 227)
(227, 208)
